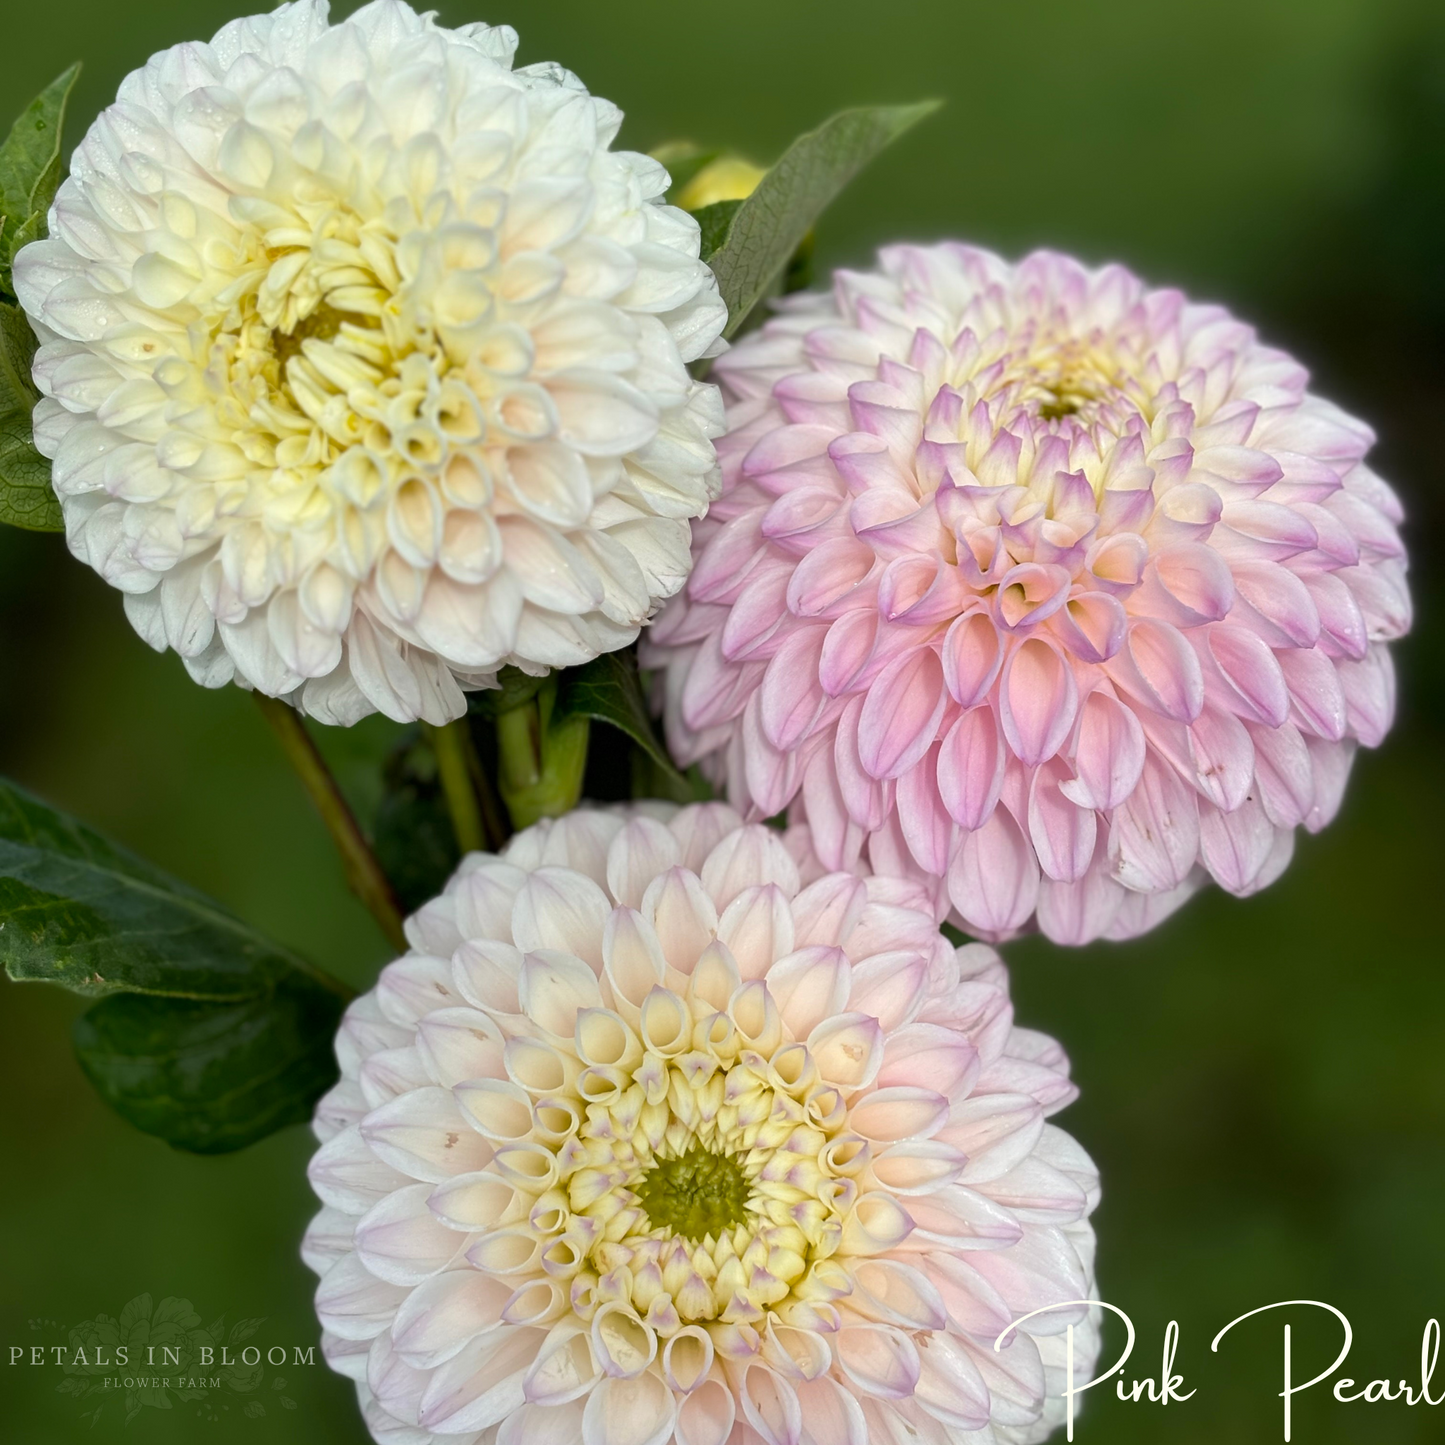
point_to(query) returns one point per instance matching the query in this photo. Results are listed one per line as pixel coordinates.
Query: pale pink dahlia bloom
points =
(1051, 591)
(645, 1141)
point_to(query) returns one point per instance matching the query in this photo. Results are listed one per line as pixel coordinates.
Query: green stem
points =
(363, 872)
(451, 745)
(540, 760)
(496, 826)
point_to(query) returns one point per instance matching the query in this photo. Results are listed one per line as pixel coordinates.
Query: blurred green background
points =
(1263, 1082)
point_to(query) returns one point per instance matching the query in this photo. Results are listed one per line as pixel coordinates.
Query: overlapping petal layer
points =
(644, 1141)
(1050, 591)
(364, 361)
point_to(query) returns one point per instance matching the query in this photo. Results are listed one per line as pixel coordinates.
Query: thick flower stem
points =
(363, 872)
(540, 760)
(476, 818)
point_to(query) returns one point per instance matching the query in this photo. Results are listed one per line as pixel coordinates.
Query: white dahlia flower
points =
(1050, 591)
(363, 362)
(643, 1141)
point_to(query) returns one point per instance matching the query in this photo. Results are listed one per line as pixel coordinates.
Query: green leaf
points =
(212, 1077)
(17, 350)
(82, 912)
(207, 1033)
(771, 224)
(26, 496)
(715, 221)
(607, 689)
(412, 834)
(30, 170)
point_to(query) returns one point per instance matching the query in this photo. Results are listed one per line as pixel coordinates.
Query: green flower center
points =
(695, 1195)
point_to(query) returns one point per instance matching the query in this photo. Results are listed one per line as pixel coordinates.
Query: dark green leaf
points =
(17, 350)
(80, 911)
(26, 497)
(210, 1077)
(412, 836)
(607, 690)
(771, 224)
(516, 687)
(30, 170)
(210, 1035)
(715, 221)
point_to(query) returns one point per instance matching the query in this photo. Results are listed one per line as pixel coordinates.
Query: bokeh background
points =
(1263, 1082)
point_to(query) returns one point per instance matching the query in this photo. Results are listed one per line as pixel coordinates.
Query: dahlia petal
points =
(1062, 832)
(950, 1387)
(1235, 845)
(1108, 754)
(1254, 685)
(918, 1166)
(400, 1241)
(890, 987)
(926, 824)
(423, 1134)
(482, 1385)
(1223, 758)
(770, 1404)
(757, 928)
(643, 849)
(1160, 668)
(444, 1314)
(700, 829)
(848, 1050)
(792, 699)
(1154, 836)
(1314, 689)
(831, 1415)
(1079, 912)
(1368, 685)
(926, 1055)
(901, 715)
(993, 879)
(1038, 700)
(553, 987)
(879, 1359)
(1038, 1193)
(887, 1115)
(1043, 1269)
(1277, 604)
(328, 1237)
(1330, 763)
(749, 857)
(535, 1424)
(706, 1416)
(828, 577)
(352, 1303)
(973, 654)
(457, 1044)
(970, 768)
(810, 985)
(638, 1411)
(348, 1176)
(682, 915)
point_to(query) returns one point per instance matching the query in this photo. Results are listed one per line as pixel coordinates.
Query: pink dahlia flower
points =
(645, 1141)
(1048, 590)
